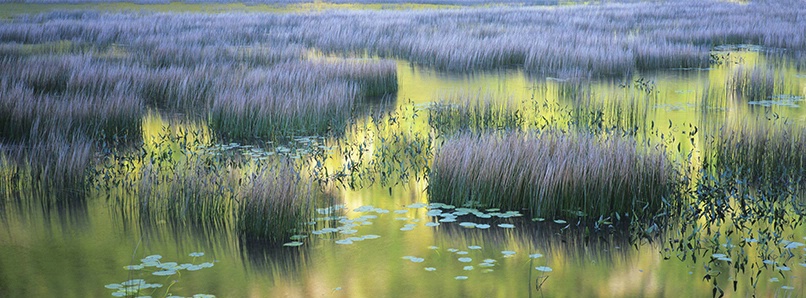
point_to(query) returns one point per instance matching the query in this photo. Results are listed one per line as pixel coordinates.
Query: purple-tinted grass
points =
(551, 173)
(26, 115)
(598, 40)
(301, 98)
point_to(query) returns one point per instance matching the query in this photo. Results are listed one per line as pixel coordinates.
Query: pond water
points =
(390, 241)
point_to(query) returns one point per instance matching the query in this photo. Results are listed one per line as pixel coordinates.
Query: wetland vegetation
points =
(307, 149)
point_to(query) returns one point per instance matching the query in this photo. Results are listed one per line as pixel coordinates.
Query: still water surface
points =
(396, 244)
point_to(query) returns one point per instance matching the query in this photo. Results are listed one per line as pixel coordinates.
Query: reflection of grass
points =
(551, 173)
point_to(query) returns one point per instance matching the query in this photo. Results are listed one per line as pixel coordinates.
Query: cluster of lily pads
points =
(465, 260)
(295, 148)
(152, 263)
(439, 213)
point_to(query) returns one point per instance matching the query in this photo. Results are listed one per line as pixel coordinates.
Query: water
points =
(401, 253)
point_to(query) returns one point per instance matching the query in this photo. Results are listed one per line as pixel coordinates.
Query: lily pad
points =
(430, 269)
(535, 256)
(506, 226)
(344, 241)
(461, 277)
(198, 254)
(164, 272)
(465, 260)
(544, 269)
(293, 243)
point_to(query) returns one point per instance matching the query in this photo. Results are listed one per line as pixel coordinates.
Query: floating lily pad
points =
(535, 256)
(430, 269)
(167, 266)
(344, 241)
(134, 267)
(787, 288)
(461, 252)
(482, 226)
(468, 225)
(544, 269)
(791, 245)
(164, 272)
(506, 226)
(370, 236)
(293, 243)
(133, 282)
(417, 205)
(432, 224)
(113, 286)
(467, 268)
(474, 247)
(465, 260)
(198, 254)
(401, 211)
(507, 253)
(461, 277)
(560, 221)
(783, 268)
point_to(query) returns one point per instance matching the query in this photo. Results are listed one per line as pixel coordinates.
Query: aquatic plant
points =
(300, 98)
(551, 174)
(157, 267)
(26, 116)
(761, 151)
(274, 202)
(756, 85)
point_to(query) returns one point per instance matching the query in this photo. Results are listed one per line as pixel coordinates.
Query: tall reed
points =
(303, 98)
(51, 173)
(758, 84)
(761, 152)
(551, 173)
(274, 202)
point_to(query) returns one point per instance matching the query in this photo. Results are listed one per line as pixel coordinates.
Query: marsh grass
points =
(474, 113)
(302, 98)
(551, 173)
(756, 84)
(761, 151)
(52, 173)
(274, 202)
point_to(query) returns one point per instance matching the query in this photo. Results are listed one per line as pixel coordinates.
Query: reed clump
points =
(52, 172)
(273, 203)
(758, 84)
(761, 152)
(301, 98)
(551, 173)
